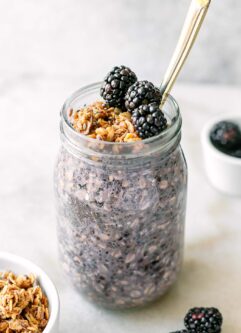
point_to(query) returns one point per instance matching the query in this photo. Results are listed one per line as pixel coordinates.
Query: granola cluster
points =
(104, 123)
(23, 306)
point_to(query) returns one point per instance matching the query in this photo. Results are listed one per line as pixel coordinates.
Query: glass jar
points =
(121, 210)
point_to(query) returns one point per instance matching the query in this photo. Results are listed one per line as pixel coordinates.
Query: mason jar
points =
(120, 210)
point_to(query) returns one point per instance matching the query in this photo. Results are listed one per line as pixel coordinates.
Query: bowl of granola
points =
(29, 301)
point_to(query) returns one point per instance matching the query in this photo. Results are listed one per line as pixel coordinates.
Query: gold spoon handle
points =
(192, 25)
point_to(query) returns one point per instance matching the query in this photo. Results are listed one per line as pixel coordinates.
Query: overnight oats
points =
(120, 184)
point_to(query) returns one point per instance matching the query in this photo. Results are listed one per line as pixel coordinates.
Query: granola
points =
(100, 122)
(23, 306)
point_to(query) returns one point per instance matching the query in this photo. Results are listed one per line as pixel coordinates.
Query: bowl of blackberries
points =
(221, 141)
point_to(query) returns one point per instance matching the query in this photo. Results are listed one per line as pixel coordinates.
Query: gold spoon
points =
(195, 16)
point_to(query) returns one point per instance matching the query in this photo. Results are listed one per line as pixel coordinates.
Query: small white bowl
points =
(18, 265)
(223, 171)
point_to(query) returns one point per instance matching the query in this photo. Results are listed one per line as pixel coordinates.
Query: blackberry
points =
(141, 93)
(203, 320)
(236, 153)
(148, 120)
(226, 136)
(116, 84)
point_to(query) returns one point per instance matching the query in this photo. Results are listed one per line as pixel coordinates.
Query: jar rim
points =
(75, 138)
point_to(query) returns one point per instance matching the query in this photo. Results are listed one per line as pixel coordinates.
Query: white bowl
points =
(18, 265)
(223, 171)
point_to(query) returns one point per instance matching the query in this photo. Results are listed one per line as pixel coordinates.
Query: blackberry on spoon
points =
(116, 84)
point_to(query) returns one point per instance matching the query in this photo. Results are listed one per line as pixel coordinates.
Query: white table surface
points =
(29, 141)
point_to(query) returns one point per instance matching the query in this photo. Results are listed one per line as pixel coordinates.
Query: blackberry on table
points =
(141, 93)
(203, 320)
(226, 135)
(116, 84)
(149, 120)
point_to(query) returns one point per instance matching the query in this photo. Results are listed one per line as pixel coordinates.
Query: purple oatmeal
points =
(121, 211)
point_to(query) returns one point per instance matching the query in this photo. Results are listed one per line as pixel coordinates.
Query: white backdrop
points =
(83, 39)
